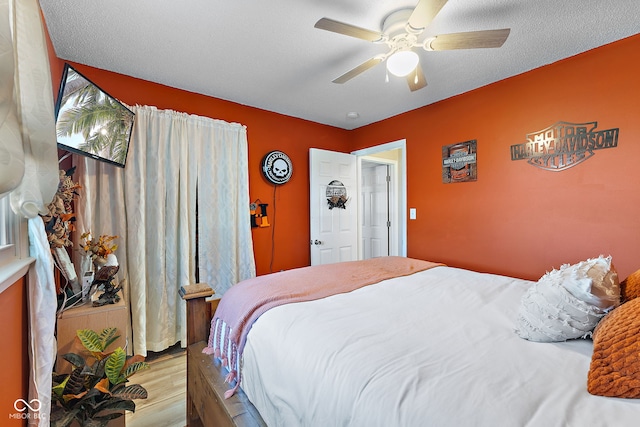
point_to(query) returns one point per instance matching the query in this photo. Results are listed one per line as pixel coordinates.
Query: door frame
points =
(400, 180)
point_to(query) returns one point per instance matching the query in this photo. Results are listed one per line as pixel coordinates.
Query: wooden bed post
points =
(199, 312)
(206, 405)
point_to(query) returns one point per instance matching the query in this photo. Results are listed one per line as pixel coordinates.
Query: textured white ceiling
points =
(267, 54)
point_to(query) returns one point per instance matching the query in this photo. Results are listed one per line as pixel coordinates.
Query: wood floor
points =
(166, 384)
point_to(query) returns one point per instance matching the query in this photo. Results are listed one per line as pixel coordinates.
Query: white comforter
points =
(433, 349)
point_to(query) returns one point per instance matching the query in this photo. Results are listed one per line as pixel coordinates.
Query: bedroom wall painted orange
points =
(266, 131)
(517, 219)
(14, 358)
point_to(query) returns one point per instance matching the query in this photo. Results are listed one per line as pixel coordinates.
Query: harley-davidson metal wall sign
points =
(459, 162)
(564, 145)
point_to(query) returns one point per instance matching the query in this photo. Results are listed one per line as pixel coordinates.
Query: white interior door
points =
(374, 207)
(334, 231)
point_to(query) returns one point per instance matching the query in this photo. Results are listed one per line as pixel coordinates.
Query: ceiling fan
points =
(401, 32)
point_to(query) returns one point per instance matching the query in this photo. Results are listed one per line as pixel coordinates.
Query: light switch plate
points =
(412, 213)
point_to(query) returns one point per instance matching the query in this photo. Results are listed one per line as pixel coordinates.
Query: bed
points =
(435, 346)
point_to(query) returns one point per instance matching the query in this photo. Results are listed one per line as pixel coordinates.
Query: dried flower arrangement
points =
(99, 248)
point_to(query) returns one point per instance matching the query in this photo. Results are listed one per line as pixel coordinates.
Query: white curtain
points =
(42, 321)
(174, 159)
(225, 249)
(100, 209)
(29, 171)
(32, 109)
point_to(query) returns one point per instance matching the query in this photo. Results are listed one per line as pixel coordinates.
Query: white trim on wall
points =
(13, 270)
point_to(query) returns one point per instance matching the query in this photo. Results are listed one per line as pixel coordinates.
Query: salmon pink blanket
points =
(246, 301)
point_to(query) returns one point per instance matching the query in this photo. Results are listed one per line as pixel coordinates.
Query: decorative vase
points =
(86, 264)
(86, 267)
(99, 262)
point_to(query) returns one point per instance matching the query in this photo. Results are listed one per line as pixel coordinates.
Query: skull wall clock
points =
(277, 167)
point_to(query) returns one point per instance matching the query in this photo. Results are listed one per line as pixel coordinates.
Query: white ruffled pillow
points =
(568, 303)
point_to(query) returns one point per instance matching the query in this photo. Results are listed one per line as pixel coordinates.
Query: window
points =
(13, 230)
(6, 222)
(14, 245)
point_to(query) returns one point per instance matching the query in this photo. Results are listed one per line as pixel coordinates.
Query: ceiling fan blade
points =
(358, 70)
(348, 30)
(416, 79)
(470, 40)
(424, 13)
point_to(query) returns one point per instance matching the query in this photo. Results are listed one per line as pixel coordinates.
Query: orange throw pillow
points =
(630, 287)
(615, 363)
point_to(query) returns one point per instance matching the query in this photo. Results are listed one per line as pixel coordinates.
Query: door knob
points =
(316, 242)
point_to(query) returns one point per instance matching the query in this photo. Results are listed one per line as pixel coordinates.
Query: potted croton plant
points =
(97, 390)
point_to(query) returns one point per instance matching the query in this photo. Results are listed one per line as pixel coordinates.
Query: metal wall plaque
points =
(459, 162)
(564, 145)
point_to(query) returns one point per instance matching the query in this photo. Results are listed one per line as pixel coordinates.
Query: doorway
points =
(382, 203)
(349, 231)
(375, 208)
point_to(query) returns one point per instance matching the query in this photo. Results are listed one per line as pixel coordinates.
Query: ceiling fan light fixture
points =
(402, 63)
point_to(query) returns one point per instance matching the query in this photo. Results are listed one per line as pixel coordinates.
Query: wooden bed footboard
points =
(206, 405)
